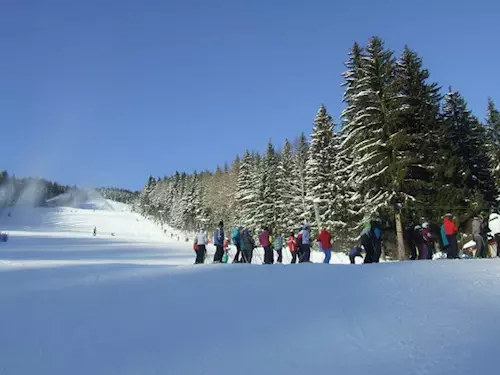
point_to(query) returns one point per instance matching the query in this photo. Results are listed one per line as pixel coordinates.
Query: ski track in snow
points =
(71, 303)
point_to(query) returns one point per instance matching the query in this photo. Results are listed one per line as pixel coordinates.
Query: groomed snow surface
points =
(133, 303)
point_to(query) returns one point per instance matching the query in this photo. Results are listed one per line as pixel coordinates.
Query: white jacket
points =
(202, 238)
(494, 223)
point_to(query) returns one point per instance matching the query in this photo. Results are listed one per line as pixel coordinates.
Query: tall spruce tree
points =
(246, 194)
(466, 165)
(371, 133)
(302, 208)
(287, 190)
(319, 167)
(493, 127)
(268, 199)
(417, 110)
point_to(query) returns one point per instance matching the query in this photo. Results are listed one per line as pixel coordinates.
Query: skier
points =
(355, 252)
(236, 242)
(247, 246)
(264, 240)
(278, 247)
(201, 247)
(305, 248)
(477, 236)
(428, 240)
(494, 225)
(292, 246)
(219, 243)
(325, 241)
(95, 231)
(451, 230)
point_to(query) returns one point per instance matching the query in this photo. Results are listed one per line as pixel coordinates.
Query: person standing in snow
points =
(325, 241)
(376, 234)
(292, 247)
(278, 247)
(305, 248)
(451, 230)
(201, 247)
(444, 240)
(219, 243)
(366, 239)
(420, 243)
(264, 240)
(428, 240)
(494, 225)
(236, 237)
(95, 231)
(477, 236)
(247, 246)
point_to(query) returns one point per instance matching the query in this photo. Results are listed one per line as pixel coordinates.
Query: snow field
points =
(133, 303)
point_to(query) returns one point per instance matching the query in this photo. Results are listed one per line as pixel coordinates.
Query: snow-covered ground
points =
(133, 303)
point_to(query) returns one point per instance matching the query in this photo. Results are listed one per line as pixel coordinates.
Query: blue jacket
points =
(219, 237)
(443, 236)
(236, 236)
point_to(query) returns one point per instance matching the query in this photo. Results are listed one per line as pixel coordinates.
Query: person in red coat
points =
(325, 242)
(451, 230)
(292, 246)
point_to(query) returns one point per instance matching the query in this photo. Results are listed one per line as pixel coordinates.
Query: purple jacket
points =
(264, 239)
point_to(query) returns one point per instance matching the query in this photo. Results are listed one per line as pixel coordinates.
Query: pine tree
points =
(267, 212)
(493, 127)
(345, 202)
(370, 128)
(319, 167)
(302, 208)
(467, 166)
(287, 190)
(145, 197)
(417, 111)
(246, 193)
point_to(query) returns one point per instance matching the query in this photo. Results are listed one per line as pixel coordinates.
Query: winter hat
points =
(221, 223)
(425, 225)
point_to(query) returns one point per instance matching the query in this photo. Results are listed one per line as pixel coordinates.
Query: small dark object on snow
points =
(3, 237)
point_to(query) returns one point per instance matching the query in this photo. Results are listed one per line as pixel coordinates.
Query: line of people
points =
(423, 241)
(299, 246)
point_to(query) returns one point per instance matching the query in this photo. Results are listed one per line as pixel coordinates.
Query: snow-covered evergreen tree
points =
(246, 197)
(417, 110)
(302, 208)
(493, 127)
(267, 202)
(145, 197)
(371, 134)
(467, 166)
(319, 167)
(287, 191)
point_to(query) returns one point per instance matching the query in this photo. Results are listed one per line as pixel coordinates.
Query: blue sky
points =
(108, 92)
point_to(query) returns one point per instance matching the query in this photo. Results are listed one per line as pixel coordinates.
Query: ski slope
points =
(133, 303)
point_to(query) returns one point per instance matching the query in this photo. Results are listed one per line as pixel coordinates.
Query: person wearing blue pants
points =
(325, 244)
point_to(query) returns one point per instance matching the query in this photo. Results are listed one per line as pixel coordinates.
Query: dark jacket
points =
(247, 242)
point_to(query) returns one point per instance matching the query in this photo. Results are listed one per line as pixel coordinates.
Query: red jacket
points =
(292, 244)
(449, 226)
(326, 239)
